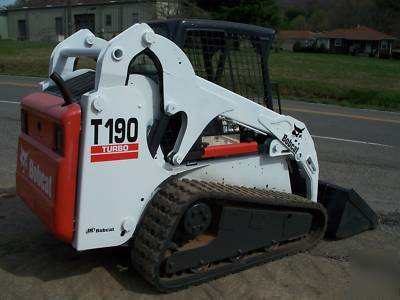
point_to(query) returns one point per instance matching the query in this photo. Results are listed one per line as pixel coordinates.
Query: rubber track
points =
(154, 234)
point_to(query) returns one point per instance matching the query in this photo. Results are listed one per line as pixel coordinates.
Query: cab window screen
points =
(232, 60)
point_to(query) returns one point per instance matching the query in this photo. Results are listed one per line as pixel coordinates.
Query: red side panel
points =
(230, 149)
(46, 180)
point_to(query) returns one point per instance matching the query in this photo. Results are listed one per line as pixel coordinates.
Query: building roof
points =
(357, 33)
(34, 4)
(297, 35)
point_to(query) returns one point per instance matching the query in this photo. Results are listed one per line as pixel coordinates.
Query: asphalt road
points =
(356, 148)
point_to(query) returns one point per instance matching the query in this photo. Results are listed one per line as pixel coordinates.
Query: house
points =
(288, 38)
(358, 40)
(54, 20)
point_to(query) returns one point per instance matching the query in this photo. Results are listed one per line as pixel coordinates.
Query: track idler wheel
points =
(197, 219)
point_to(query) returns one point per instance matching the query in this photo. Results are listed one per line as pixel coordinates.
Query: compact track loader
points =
(196, 173)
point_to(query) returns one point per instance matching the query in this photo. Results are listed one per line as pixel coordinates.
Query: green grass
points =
(325, 78)
(11, 47)
(25, 58)
(339, 79)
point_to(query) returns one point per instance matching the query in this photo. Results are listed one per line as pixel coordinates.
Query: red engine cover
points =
(46, 180)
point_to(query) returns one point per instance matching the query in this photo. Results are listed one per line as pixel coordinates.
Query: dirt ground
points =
(33, 265)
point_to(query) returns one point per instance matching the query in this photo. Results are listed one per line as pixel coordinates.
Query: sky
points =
(6, 2)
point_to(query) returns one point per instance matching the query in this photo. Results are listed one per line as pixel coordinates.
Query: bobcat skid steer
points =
(172, 147)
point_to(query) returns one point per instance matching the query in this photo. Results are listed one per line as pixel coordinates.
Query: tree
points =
(387, 15)
(316, 15)
(318, 21)
(292, 12)
(299, 23)
(178, 8)
(258, 12)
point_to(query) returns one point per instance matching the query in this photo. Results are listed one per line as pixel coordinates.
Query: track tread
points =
(154, 233)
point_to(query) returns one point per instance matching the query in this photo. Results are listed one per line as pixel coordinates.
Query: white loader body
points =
(112, 192)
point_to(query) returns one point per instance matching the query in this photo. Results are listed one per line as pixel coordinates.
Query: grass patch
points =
(338, 79)
(25, 58)
(30, 58)
(324, 78)
(11, 47)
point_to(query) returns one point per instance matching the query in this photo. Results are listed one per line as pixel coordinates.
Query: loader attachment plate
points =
(348, 213)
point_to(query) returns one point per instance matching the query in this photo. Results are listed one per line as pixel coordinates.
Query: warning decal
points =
(114, 152)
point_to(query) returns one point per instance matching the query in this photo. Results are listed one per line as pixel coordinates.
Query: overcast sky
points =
(6, 2)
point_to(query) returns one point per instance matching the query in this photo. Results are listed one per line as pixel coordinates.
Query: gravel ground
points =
(33, 265)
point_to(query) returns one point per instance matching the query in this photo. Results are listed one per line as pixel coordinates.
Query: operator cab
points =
(232, 55)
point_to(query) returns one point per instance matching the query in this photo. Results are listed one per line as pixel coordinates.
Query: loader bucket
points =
(348, 213)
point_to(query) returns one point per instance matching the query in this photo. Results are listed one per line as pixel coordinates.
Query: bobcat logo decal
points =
(297, 132)
(293, 142)
(23, 159)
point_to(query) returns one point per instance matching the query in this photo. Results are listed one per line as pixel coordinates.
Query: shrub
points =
(297, 47)
(323, 49)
